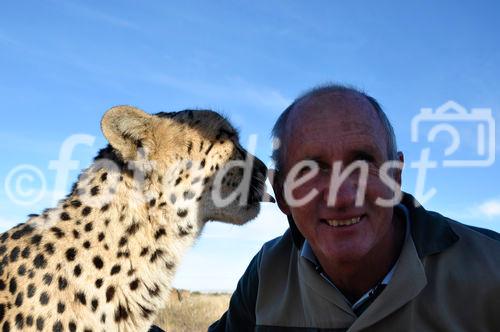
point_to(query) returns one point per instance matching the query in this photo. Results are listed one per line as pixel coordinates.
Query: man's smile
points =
(342, 222)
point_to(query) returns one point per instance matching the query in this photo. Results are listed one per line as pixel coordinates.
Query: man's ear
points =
(126, 128)
(275, 178)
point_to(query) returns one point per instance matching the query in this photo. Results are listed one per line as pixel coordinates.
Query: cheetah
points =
(104, 258)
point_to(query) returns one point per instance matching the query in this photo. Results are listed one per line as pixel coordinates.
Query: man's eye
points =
(324, 167)
(309, 168)
(304, 170)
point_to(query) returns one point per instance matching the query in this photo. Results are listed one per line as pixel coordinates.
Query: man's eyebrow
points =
(363, 153)
(317, 159)
(312, 157)
(366, 151)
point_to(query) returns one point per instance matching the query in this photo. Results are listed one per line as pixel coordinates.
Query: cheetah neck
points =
(138, 237)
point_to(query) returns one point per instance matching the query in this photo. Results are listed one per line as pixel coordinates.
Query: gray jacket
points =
(447, 278)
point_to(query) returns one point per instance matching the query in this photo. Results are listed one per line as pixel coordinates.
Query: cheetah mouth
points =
(259, 193)
(266, 197)
(260, 198)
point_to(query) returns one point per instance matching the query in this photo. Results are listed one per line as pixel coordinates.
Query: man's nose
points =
(341, 194)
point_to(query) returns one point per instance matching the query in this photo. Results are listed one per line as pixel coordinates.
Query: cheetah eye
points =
(228, 133)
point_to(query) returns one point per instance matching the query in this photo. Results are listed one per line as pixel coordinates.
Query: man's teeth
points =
(345, 222)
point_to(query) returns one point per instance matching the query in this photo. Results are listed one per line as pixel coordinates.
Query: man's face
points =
(339, 127)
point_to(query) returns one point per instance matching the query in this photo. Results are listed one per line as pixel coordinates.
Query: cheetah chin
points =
(105, 257)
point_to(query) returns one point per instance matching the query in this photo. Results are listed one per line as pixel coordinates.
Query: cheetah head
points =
(190, 163)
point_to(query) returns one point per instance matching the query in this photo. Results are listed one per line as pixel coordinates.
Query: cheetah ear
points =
(126, 128)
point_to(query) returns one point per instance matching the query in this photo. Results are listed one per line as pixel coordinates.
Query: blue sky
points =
(64, 63)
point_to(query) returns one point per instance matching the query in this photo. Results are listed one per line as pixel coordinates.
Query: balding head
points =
(328, 99)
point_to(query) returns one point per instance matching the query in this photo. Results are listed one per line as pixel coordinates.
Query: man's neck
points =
(354, 279)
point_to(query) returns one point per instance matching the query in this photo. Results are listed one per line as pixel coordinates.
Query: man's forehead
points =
(350, 111)
(345, 127)
(335, 120)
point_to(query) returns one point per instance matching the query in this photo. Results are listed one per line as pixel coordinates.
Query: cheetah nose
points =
(268, 198)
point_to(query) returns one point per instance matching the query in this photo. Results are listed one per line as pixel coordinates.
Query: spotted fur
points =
(105, 257)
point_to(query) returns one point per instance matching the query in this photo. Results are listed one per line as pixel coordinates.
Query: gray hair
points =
(279, 129)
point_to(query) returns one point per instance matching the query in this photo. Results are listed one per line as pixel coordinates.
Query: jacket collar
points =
(431, 232)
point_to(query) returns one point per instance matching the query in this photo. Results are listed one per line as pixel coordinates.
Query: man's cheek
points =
(301, 194)
(305, 193)
(375, 188)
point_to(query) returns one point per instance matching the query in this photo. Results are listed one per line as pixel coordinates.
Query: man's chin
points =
(342, 252)
(344, 256)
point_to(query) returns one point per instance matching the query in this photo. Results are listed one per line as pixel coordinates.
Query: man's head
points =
(280, 128)
(336, 125)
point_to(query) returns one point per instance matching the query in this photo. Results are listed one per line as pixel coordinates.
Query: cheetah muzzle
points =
(105, 257)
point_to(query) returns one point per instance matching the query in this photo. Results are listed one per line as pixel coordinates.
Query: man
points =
(360, 254)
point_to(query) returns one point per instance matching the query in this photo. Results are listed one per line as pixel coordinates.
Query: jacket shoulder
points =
(480, 243)
(477, 237)
(475, 256)
(284, 241)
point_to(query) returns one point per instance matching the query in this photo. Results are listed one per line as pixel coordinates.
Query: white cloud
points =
(230, 89)
(475, 212)
(264, 96)
(483, 214)
(490, 208)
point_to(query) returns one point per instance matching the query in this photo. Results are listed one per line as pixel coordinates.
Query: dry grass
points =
(192, 312)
